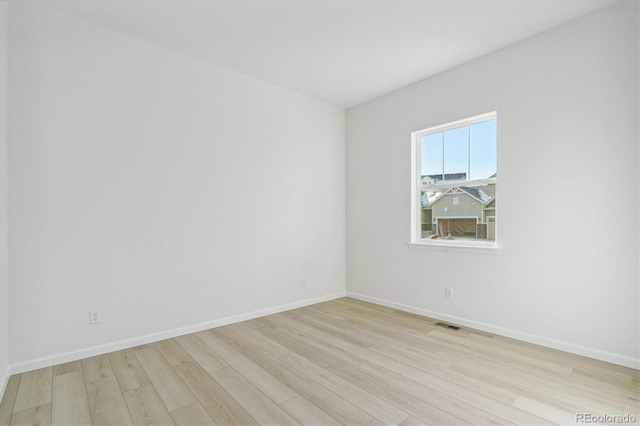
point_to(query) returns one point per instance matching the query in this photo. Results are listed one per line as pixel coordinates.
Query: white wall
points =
(163, 190)
(567, 271)
(169, 192)
(4, 276)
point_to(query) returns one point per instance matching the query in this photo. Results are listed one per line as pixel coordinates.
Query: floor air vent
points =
(445, 325)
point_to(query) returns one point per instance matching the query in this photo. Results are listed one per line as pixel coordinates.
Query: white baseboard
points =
(514, 334)
(150, 338)
(4, 381)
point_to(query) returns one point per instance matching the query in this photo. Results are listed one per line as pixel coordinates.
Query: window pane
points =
(431, 161)
(456, 153)
(466, 212)
(483, 149)
(427, 198)
(457, 195)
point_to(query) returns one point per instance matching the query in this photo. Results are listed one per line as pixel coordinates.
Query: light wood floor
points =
(339, 362)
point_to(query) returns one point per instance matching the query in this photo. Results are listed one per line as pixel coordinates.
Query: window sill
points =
(445, 245)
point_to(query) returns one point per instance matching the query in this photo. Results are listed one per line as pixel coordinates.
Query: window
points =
(454, 177)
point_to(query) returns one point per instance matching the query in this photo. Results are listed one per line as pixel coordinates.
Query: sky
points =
(450, 152)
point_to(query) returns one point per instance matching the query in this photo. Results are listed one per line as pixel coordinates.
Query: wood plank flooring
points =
(339, 362)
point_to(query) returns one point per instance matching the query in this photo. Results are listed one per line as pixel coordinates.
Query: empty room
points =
(319, 212)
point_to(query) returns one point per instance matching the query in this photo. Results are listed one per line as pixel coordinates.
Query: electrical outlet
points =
(95, 316)
(303, 282)
(448, 293)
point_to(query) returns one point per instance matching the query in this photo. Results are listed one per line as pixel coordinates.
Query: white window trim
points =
(416, 189)
(456, 245)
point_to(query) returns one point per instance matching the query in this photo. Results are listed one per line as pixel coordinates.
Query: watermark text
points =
(589, 418)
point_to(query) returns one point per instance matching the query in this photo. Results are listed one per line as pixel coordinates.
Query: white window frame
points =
(417, 188)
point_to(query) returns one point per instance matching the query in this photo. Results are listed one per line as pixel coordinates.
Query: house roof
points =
(448, 176)
(476, 193)
(428, 198)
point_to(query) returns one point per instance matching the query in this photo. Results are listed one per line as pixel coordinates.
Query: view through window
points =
(454, 182)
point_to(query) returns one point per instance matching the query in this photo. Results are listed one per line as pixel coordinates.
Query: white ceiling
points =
(344, 52)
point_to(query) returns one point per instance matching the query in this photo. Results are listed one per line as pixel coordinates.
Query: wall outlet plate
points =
(95, 316)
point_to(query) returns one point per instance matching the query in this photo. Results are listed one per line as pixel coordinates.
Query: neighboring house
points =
(460, 211)
(431, 179)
